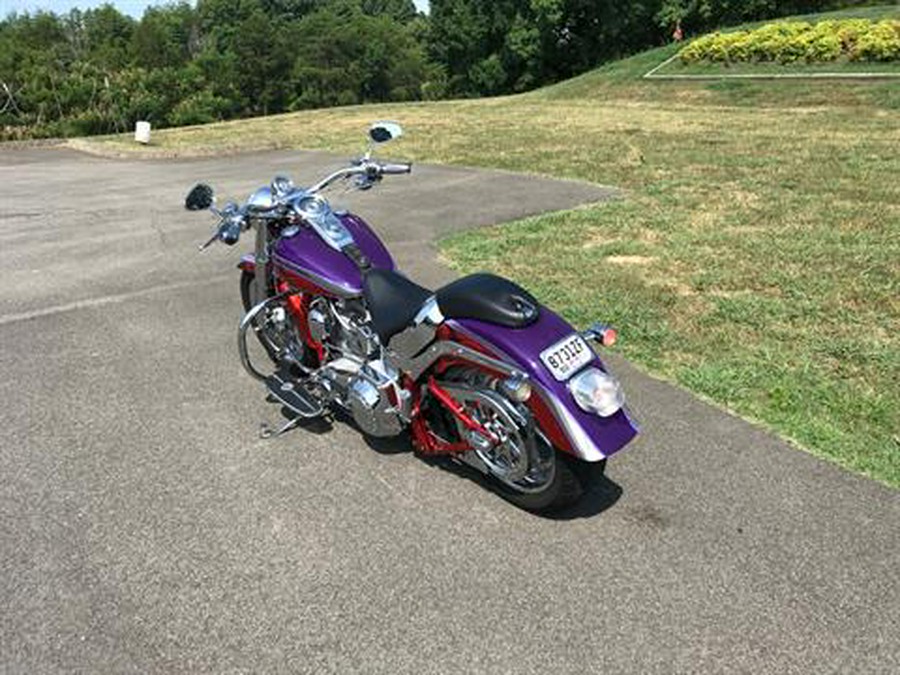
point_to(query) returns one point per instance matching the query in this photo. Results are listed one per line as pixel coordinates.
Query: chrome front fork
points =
(263, 272)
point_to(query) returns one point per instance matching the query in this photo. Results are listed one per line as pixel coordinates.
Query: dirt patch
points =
(598, 240)
(630, 259)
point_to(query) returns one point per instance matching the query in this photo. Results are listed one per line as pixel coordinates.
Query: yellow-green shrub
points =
(881, 43)
(792, 41)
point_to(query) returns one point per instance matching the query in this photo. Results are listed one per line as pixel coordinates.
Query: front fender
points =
(247, 263)
(591, 438)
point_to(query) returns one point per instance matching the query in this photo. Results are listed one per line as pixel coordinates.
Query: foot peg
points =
(295, 398)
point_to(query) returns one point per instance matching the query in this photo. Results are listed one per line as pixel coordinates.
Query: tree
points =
(107, 37)
(165, 37)
(354, 58)
(100, 71)
(701, 15)
(399, 10)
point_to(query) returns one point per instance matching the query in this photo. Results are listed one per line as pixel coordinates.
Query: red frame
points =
(428, 443)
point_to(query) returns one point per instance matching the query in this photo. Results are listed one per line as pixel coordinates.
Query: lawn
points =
(754, 260)
(837, 67)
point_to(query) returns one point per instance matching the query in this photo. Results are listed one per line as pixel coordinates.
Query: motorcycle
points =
(477, 371)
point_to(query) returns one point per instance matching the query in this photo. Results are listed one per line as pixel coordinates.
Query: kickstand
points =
(266, 432)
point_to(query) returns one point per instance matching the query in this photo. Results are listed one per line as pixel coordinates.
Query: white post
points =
(142, 132)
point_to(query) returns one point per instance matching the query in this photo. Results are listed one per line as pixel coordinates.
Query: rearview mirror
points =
(199, 198)
(382, 132)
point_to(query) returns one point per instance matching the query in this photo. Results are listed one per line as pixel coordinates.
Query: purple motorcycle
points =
(478, 371)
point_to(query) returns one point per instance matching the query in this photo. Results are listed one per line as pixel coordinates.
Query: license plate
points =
(567, 356)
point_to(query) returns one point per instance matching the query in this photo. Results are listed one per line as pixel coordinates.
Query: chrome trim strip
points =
(322, 282)
(417, 365)
(584, 444)
(431, 312)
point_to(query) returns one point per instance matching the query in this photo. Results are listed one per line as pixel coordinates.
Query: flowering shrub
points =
(793, 41)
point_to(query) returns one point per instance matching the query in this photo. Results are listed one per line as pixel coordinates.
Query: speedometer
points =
(317, 212)
(312, 207)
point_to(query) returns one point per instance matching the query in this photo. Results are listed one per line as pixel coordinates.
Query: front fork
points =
(263, 285)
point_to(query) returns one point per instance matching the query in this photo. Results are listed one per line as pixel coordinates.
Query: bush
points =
(793, 41)
(201, 107)
(881, 43)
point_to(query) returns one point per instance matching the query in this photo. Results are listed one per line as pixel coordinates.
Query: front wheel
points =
(269, 343)
(275, 329)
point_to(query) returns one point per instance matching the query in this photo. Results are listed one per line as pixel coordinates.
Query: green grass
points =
(622, 80)
(755, 258)
(840, 67)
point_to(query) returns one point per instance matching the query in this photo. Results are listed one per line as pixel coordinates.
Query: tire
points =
(571, 480)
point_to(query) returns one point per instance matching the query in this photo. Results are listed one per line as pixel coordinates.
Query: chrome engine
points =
(357, 374)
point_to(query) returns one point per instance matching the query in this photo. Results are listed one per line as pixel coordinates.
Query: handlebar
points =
(228, 231)
(396, 168)
(366, 167)
(234, 218)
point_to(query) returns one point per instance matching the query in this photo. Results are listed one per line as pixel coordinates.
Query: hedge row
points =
(792, 41)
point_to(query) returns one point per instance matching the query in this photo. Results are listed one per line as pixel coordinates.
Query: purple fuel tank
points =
(308, 256)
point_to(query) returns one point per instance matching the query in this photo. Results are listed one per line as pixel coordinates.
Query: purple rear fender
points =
(593, 438)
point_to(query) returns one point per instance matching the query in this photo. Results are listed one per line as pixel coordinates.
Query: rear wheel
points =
(571, 480)
(527, 470)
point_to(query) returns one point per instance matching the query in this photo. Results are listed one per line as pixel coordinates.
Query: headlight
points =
(596, 392)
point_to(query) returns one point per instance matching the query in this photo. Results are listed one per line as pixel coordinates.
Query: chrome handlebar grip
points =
(229, 229)
(396, 168)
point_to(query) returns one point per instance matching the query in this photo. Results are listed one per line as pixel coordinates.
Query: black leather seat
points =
(489, 298)
(393, 301)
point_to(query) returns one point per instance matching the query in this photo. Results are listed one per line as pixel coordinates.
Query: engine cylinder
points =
(317, 322)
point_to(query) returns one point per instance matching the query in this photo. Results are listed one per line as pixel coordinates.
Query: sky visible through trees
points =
(133, 8)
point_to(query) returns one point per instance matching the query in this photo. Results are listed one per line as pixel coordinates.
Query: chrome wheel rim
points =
(512, 460)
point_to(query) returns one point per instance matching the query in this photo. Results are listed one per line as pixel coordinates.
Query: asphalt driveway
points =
(144, 526)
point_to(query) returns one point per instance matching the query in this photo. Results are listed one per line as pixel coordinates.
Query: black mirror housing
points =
(199, 198)
(382, 132)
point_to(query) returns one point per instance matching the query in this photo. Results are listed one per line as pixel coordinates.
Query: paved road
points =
(145, 528)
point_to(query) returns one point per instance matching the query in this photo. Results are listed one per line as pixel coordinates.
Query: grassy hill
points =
(624, 77)
(753, 261)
